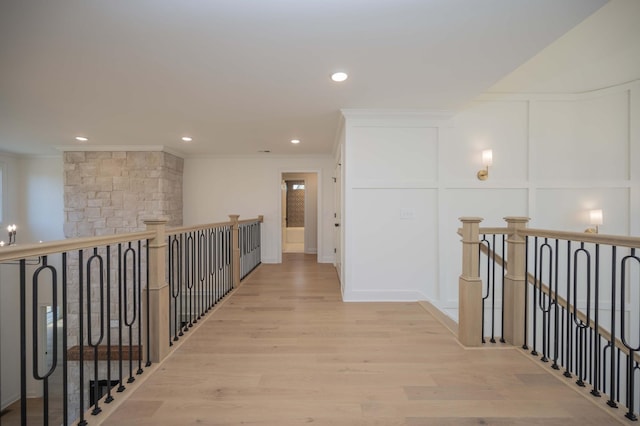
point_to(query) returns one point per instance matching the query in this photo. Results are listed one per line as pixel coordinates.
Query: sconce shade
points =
(595, 217)
(487, 157)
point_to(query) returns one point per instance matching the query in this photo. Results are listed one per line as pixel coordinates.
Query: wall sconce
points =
(487, 160)
(595, 219)
(12, 234)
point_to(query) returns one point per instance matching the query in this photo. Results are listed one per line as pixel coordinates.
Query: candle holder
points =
(12, 234)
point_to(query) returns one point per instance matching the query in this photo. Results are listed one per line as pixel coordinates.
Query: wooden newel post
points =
(470, 285)
(158, 290)
(515, 284)
(235, 241)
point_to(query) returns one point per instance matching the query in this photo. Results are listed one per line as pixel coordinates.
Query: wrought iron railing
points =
(571, 299)
(200, 273)
(93, 312)
(250, 246)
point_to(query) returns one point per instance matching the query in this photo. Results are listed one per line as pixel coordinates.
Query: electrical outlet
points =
(114, 323)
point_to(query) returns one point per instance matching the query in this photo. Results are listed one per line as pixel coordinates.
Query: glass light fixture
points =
(487, 160)
(595, 219)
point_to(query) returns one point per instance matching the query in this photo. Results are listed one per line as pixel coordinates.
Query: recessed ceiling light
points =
(81, 138)
(339, 76)
(294, 141)
(186, 139)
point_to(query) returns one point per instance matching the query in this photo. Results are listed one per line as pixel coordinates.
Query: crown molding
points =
(425, 114)
(126, 148)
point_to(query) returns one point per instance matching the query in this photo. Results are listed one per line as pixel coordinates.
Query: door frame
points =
(319, 217)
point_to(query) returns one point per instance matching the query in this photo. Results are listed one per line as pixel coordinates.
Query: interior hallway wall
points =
(215, 187)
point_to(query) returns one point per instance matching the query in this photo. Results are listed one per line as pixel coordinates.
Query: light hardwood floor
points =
(284, 350)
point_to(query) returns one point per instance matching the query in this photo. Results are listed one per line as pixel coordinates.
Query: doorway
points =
(299, 206)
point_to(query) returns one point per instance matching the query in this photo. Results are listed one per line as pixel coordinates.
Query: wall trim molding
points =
(382, 296)
(120, 148)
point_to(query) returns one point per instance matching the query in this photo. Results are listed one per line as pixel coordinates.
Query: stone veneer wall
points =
(109, 193)
(113, 192)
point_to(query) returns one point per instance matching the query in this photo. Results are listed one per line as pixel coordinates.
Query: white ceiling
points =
(241, 76)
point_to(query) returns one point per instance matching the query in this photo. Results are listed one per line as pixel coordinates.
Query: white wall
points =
(33, 200)
(554, 158)
(216, 187)
(9, 289)
(41, 183)
(390, 206)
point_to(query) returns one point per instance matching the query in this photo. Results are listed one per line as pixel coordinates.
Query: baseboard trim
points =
(442, 318)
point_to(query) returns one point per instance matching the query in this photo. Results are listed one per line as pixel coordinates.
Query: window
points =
(298, 186)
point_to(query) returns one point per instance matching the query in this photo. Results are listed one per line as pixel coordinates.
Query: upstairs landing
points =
(285, 350)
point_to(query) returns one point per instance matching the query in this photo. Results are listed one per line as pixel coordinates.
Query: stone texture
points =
(131, 186)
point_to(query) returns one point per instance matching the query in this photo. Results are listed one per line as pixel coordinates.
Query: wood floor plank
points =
(285, 350)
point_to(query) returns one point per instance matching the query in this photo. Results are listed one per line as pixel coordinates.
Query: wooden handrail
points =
(613, 240)
(183, 229)
(21, 251)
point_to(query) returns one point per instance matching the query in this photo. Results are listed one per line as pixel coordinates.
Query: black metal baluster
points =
(485, 296)
(581, 326)
(202, 257)
(23, 343)
(536, 278)
(109, 398)
(544, 301)
(612, 400)
(90, 341)
(625, 338)
(121, 386)
(65, 329)
(174, 268)
(190, 276)
(504, 258)
(595, 346)
(556, 325)
(526, 293)
(129, 322)
(493, 291)
(139, 307)
(211, 267)
(82, 421)
(569, 320)
(35, 337)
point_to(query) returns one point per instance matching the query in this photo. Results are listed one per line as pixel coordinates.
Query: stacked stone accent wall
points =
(113, 192)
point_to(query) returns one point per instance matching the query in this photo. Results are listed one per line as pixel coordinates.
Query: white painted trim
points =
(265, 156)
(326, 259)
(377, 114)
(119, 148)
(559, 96)
(382, 296)
(319, 218)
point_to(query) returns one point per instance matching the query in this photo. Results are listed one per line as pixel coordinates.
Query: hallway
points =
(284, 350)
